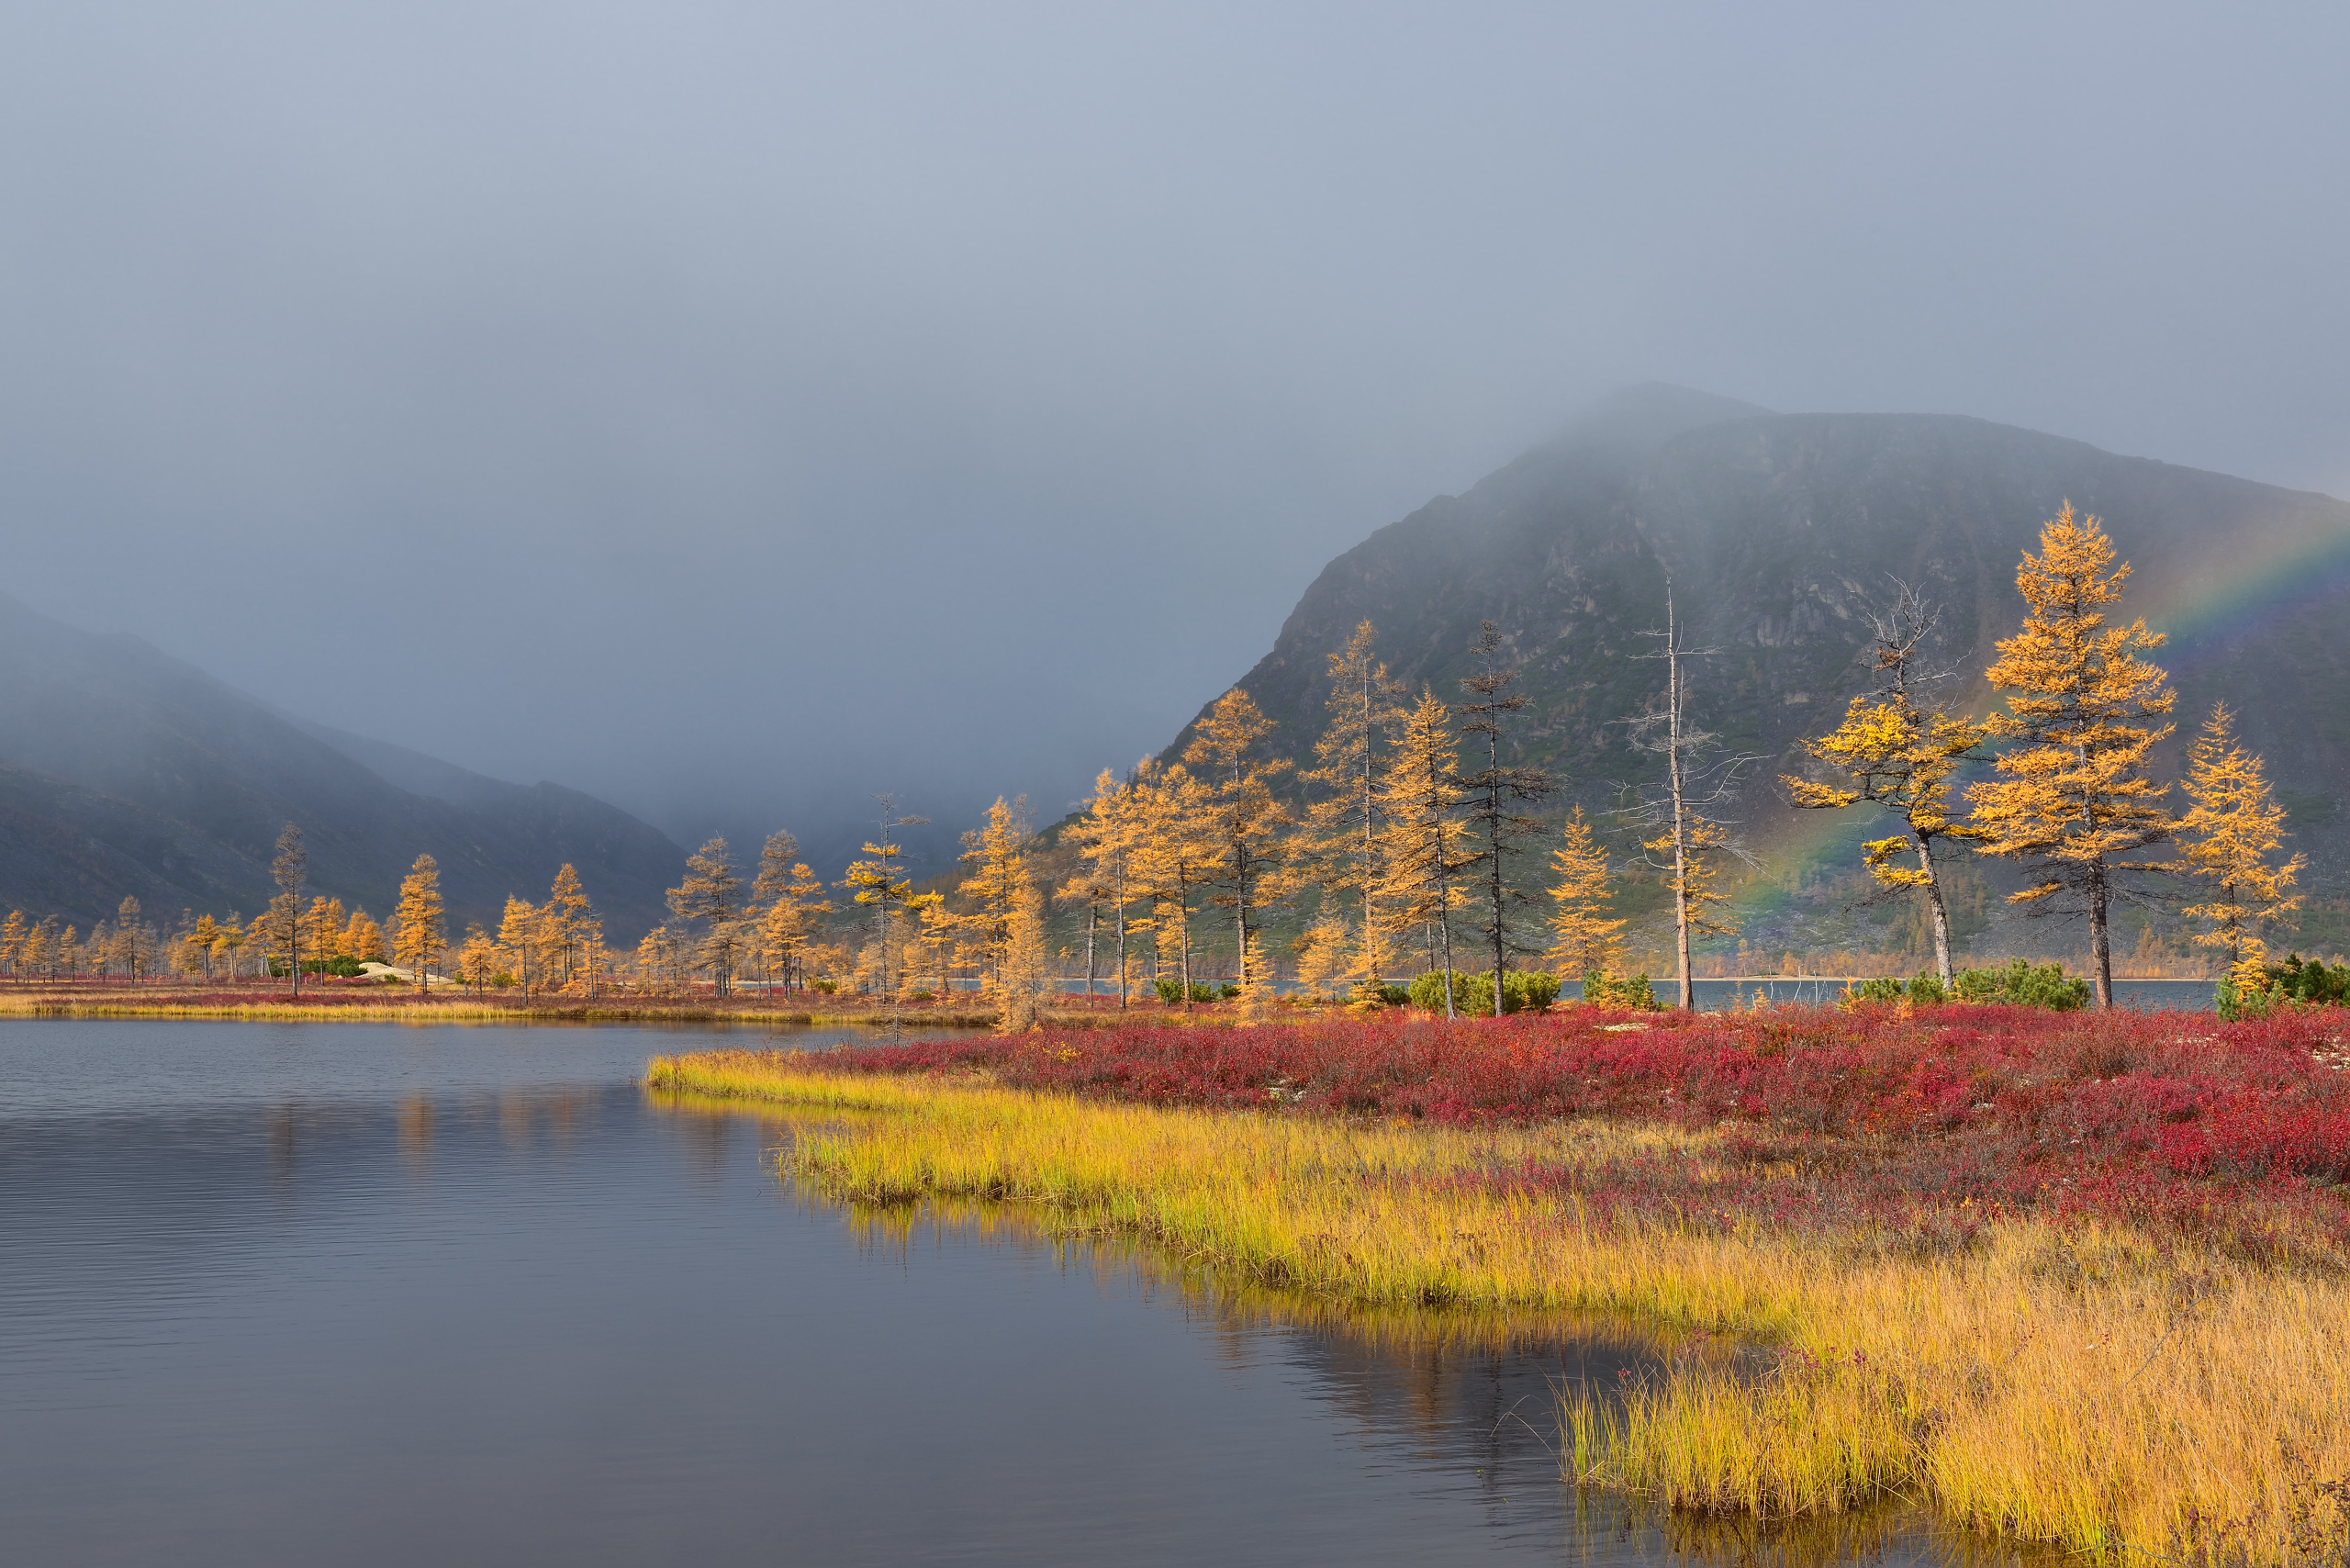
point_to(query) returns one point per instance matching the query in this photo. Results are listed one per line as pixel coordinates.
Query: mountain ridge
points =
(124, 769)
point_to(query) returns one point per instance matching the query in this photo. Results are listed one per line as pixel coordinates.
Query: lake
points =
(362, 1294)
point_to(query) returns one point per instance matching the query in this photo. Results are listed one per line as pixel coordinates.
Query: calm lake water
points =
(372, 1293)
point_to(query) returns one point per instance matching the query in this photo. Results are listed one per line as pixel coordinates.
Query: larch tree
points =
(777, 857)
(1344, 824)
(790, 923)
(289, 870)
(1583, 939)
(997, 854)
(362, 938)
(423, 926)
(478, 959)
(2228, 838)
(565, 919)
(1427, 847)
(1247, 826)
(1024, 980)
(1899, 748)
(880, 882)
(12, 939)
(1104, 840)
(2084, 709)
(1170, 857)
(1689, 838)
(522, 935)
(129, 951)
(710, 898)
(1494, 796)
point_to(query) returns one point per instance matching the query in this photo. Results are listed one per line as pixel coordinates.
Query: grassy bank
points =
(2168, 1379)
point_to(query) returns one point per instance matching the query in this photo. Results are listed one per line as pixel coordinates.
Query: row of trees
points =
(1408, 844)
(2070, 798)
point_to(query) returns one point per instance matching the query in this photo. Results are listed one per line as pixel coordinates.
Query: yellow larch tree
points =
(880, 882)
(1172, 856)
(2228, 838)
(1899, 750)
(1326, 953)
(522, 937)
(1343, 834)
(1247, 826)
(1104, 839)
(1025, 978)
(12, 939)
(710, 898)
(1426, 849)
(789, 922)
(362, 938)
(1583, 940)
(478, 964)
(423, 932)
(2083, 712)
(997, 854)
(567, 923)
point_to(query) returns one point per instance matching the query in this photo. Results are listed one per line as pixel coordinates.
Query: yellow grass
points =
(2075, 1386)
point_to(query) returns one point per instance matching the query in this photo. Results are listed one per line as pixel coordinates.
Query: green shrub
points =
(1927, 989)
(827, 987)
(2292, 984)
(1883, 988)
(1396, 995)
(1523, 991)
(1604, 990)
(2025, 984)
(1170, 991)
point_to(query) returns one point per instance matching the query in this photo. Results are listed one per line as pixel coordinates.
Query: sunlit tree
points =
(1428, 850)
(1247, 826)
(2073, 795)
(1345, 845)
(1583, 939)
(423, 932)
(711, 899)
(1899, 748)
(2228, 838)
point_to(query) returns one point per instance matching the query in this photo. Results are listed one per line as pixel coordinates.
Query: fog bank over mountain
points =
(734, 410)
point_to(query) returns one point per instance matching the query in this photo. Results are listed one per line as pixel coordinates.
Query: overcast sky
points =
(736, 409)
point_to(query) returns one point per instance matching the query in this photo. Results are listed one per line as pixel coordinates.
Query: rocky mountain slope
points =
(125, 771)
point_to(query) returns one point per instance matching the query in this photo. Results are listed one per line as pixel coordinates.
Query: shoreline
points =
(2170, 1385)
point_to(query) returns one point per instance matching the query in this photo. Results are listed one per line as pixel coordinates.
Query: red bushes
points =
(1913, 1119)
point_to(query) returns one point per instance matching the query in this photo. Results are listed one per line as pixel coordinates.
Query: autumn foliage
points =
(1930, 1122)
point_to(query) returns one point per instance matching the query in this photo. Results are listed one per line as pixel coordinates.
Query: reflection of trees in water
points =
(415, 1133)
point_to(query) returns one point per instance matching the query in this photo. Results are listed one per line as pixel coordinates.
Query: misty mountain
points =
(126, 771)
(1777, 531)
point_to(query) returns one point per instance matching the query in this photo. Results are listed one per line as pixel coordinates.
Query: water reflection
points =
(237, 1328)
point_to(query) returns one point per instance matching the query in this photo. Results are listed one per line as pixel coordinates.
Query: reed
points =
(2080, 1381)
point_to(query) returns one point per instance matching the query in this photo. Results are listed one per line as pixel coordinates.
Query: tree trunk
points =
(1092, 924)
(2100, 941)
(1941, 913)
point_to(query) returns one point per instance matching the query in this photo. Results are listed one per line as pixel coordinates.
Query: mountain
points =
(1777, 531)
(126, 771)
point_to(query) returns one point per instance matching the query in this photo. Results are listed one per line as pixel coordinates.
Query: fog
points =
(736, 410)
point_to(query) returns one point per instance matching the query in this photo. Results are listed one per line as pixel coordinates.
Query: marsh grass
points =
(2081, 1383)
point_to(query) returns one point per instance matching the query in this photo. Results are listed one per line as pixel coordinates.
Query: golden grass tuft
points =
(2083, 1385)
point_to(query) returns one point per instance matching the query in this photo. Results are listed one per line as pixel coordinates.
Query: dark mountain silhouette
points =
(1777, 531)
(126, 771)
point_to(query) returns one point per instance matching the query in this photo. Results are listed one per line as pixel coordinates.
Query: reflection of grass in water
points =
(2080, 1383)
